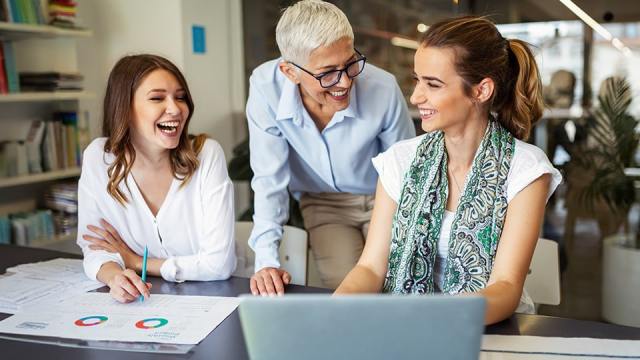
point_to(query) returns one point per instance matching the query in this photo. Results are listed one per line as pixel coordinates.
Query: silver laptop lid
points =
(363, 327)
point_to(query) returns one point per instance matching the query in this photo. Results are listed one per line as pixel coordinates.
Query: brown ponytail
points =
(481, 52)
(525, 105)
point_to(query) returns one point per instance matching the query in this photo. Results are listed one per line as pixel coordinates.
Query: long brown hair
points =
(127, 74)
(481, 52)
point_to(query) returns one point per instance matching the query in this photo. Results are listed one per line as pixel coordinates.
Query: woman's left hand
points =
(109, 239)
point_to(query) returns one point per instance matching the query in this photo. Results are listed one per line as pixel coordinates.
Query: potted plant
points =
(613, 143)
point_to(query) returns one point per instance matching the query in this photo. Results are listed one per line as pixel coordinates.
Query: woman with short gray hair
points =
(316, 118)
(308, 25)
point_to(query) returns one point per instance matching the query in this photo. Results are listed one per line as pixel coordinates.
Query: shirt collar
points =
(291, 103)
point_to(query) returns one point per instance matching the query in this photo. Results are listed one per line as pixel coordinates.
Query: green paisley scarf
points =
(476, 227)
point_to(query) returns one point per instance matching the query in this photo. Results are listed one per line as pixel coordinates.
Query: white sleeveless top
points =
(528, 164)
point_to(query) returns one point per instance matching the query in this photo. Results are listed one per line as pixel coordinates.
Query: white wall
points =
(164, 27)
(215, 78)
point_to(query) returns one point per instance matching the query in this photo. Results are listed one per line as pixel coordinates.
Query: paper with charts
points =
(171, 319)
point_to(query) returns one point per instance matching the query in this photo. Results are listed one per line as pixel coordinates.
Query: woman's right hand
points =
(126, 286)
(269, 281)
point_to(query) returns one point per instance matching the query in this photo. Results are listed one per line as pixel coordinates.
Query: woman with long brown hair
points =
(458, 210)
(148, 183)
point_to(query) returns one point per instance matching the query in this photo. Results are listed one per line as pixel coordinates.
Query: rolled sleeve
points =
(387, 176)
(169, 270)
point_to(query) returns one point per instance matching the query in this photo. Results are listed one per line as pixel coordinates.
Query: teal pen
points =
(144, 270)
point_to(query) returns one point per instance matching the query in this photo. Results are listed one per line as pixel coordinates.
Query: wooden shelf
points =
(20, 31)
(45, 96)
(36, 178)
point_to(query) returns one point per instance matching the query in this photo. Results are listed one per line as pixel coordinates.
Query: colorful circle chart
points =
(151, 323)
(92, 320)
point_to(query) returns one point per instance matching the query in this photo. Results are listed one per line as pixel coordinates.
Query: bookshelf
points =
(50, 53)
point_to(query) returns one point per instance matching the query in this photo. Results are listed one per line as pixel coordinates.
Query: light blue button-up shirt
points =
(288, 152)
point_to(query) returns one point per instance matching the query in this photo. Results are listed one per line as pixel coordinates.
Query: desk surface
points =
(227, 342)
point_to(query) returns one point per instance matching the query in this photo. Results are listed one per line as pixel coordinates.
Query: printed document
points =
(171, 319)
(43, 282)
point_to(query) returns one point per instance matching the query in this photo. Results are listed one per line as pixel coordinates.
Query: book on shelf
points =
(70, 122)
(30, 227)
(48, 146)
(9, 67)
(14, 11)
(4, 86)
(16, 158)
(5, 11)
(28, 11)
(61, 148)
(3, 161)
(34, 141)
(50, 81)
(61, 143)
(62, 13)
(34, 12)
(5, 230)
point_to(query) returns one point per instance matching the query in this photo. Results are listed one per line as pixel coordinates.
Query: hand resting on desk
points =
(269, 281)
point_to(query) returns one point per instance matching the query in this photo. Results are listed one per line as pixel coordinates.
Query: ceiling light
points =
(404, 42)
(595, 26)
(422, 27)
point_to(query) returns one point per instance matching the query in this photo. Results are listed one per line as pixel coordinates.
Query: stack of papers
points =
(46, 282)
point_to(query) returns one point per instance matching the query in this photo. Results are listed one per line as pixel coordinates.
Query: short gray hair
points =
(308, 25)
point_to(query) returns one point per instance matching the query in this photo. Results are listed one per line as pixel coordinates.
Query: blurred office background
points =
(589, 57)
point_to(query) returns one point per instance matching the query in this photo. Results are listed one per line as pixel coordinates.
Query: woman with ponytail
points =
(149, 184)
(458, 209)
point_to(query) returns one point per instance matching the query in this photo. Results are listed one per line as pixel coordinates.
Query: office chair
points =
(543, 281)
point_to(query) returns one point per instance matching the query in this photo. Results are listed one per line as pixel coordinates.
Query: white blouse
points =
(528, 164)
(193, 229)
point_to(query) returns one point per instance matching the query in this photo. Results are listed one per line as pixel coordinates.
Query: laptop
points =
(363, 327)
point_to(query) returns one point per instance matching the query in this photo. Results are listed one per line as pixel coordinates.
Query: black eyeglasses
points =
(330, 78)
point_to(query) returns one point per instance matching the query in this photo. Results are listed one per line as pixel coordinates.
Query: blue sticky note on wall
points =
(197, 33)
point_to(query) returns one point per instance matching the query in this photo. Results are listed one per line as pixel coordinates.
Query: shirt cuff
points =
(169, 270)
(94, 262)
(267, 257)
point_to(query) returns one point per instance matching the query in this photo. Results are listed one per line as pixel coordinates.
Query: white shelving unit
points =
(42, 177)
(38, 48)
(45, 96)
(19, 31)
